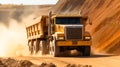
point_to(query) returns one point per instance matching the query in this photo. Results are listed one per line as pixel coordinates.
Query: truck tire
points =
(37, 45)
(43, 48)
(54, 50)
(87, 51)
(34, 47)
(30, 44)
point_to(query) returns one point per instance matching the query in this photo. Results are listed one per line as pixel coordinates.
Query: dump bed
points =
(38, 29)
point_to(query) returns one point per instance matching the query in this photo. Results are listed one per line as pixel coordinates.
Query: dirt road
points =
(97, 60)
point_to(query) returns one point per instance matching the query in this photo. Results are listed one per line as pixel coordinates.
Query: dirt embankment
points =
(105, 15)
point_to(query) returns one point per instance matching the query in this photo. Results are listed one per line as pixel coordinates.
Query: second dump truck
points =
(54, 34)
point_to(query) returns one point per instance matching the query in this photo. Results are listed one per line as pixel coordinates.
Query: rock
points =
(25, 63)
(47, 65)
(74, 65)
(2, 65)
(15, 63)
(43, 64)
(10, 62)
(51, 65)
(71, 65)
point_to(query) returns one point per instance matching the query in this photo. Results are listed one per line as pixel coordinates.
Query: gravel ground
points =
(9, 62)
(22, 63)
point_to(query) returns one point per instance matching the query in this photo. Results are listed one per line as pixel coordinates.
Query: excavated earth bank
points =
(105, 16)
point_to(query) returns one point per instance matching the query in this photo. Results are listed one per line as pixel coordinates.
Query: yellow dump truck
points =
(54, 34)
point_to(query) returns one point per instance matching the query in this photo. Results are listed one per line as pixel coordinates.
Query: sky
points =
(28, 2)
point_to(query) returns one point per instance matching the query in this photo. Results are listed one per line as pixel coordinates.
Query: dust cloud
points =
(13, 37)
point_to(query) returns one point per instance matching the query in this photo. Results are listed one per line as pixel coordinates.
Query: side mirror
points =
(86, 18)
(90, 22)
(50, 14)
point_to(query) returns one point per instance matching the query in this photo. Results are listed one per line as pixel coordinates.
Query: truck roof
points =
(66, 15)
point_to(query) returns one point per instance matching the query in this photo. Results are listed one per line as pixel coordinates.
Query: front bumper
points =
(73, 43)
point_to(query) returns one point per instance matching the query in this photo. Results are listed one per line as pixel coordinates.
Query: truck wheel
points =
(37, 46)
(81, 50)
(43, 47)
(87, 51)
(54, 50)
(34, 47)
(31, 50)
(30, 47)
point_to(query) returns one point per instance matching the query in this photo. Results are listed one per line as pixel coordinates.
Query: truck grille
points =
(73, 32)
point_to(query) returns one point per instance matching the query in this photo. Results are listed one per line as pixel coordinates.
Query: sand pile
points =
(105, 15)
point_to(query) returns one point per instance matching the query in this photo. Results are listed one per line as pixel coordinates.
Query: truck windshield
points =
(68, 20)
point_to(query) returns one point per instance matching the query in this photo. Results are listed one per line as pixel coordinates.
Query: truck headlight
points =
(87, 38)
(60, 38)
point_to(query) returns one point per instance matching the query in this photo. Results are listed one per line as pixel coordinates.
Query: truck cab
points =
(68, 33)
